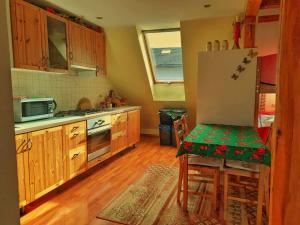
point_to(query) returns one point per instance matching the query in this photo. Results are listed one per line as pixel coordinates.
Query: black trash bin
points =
(167, 116)
(165, 134)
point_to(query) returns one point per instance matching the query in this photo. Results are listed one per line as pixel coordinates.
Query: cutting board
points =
(84, 104)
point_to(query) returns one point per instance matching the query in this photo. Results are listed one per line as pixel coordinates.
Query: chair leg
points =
(216, 187)
(260, 196)
(226, 189)
(185, 183)
(267, 190)
(180, 181)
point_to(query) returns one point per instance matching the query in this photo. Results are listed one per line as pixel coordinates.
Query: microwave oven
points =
(29, 109)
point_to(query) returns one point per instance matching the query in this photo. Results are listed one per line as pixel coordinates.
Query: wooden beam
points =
(285, 186)
(249, 36)
(253, 7)
(268, 18)
(252, 10)
(269, 4)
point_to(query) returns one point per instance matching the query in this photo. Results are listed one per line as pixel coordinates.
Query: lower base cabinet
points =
(133, 127)
(118, 132)
(22, 147)
(45, 161)
(48, 158)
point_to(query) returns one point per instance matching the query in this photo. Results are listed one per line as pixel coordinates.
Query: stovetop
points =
(77, 112)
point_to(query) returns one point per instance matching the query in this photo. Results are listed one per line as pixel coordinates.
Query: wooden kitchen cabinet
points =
(118, 132)
(28, 35)
(81, 45)
(100, 53)
(44, 41)
(75, 149)
(22, 148)
(77, 48)
(45, 161)
(133, 127)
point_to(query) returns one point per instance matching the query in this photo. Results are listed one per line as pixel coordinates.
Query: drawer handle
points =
(74, 128)
(27, 146)
(21, 146)
(75, 135)
(75, 155)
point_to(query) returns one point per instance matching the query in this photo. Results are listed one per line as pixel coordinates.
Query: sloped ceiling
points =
(143, 12)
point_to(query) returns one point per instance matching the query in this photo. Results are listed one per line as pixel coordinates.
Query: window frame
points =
(149, 58)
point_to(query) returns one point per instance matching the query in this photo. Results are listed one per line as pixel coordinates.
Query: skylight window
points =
(165, 55)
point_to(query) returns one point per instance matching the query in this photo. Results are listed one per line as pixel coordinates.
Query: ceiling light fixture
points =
(207, 5)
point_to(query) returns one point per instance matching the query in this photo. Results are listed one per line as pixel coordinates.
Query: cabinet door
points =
(100, 54)
(119, 132)
(23, 169)
(77, 161)
(27, 35)
(133, 133)
(75, 43)
(45, 161)
(90, 47)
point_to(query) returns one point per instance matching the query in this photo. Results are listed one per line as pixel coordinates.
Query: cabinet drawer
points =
(77, 161)
(119, 118)
(75, 134)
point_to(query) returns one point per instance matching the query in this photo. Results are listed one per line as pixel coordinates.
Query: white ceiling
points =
(149, 12)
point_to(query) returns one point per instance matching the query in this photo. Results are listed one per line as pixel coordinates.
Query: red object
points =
(268, 69)
(51, 10)
(264, 133)
(236, 33)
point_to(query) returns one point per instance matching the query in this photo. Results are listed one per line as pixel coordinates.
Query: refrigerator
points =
(226, 87)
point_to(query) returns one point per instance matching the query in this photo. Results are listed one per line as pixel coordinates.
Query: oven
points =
(99, 136)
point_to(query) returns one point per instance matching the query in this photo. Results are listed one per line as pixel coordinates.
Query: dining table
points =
(228, 142)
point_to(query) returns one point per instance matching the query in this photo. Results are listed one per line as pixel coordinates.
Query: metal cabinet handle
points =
(29, 145)
(71, 55)
(75, 135)
(74, 128)
(21, 146)
(75, 155)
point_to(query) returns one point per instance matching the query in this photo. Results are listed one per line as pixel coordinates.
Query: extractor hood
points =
(82, 68)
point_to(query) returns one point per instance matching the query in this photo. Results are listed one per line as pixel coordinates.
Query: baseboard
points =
(150, 132)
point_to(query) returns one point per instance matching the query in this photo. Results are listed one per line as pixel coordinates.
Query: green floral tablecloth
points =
(227, 142)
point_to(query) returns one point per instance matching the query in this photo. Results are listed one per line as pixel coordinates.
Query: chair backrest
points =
(181, 130)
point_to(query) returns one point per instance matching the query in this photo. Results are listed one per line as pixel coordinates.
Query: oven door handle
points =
(98, 130)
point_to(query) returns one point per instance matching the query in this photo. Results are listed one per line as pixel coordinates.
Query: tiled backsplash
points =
(66, 89)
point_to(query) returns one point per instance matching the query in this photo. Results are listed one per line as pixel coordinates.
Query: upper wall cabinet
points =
(44, 41)
(27, 35)
(56, 42)
(86, 48)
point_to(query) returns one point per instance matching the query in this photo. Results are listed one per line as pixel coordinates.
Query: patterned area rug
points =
(152, 200)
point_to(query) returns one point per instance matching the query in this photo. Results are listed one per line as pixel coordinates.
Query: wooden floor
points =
(79, 201)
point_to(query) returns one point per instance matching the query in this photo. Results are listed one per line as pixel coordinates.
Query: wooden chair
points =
(208, 169)
(248, 170)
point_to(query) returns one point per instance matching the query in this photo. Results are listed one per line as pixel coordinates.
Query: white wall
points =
(9, 212)
(267, 34)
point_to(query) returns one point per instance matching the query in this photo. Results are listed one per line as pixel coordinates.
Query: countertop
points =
(26, 127)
